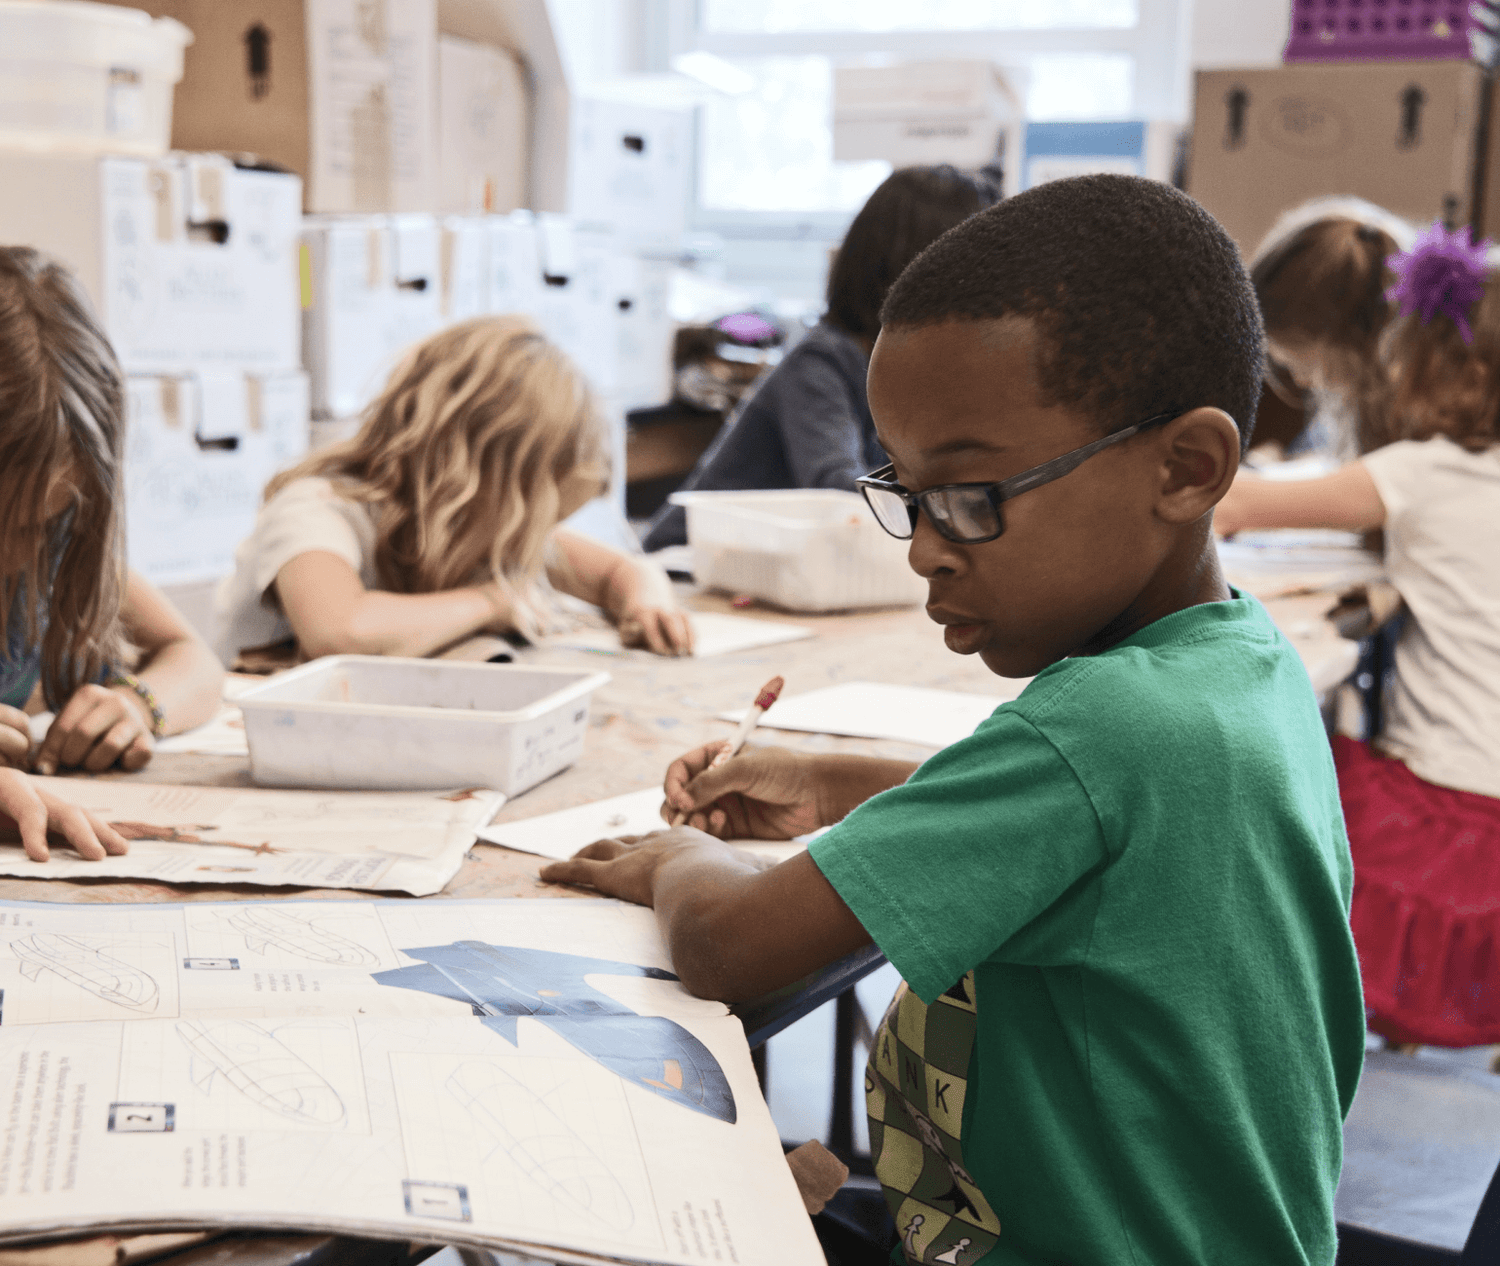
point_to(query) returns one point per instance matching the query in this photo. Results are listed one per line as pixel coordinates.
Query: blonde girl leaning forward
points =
(437, 521)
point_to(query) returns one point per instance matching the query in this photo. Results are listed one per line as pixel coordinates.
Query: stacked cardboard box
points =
(1407, 135)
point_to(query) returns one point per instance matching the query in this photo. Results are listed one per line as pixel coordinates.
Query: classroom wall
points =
(1239, 32)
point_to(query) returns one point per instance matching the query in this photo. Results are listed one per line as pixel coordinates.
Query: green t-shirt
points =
(1133, 1023)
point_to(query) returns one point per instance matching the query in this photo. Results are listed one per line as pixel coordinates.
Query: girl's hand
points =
(28, 810)
(15, 738)
(662, 630)
(98, 727)
(764, 793)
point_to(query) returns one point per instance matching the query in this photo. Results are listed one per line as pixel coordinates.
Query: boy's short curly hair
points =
(1140, 297)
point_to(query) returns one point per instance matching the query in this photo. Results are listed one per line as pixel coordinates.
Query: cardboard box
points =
(1405, 135)
(189, 261)
(375, 288)
(483, 123)
(630, 166)
(965, 112)
(342, 92)
(199, 452)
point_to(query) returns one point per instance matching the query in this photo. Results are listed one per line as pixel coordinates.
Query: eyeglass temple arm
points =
(1060, 466)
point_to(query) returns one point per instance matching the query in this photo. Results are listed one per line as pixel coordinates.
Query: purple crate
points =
(1384, 30)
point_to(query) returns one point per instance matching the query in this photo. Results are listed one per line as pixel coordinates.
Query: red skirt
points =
(1426, 912)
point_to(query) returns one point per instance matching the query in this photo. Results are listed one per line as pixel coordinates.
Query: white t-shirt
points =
(1442, 553)
(308, 514)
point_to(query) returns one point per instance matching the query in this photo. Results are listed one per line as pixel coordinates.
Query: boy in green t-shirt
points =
(1131, 1023)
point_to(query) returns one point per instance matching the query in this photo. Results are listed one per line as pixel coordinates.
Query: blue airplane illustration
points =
(504, 982)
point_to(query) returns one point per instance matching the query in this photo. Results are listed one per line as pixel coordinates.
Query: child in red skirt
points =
(1422, 799)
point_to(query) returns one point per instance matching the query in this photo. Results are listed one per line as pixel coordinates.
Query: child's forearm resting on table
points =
(634, 592)
(733, 931)
(332, 613)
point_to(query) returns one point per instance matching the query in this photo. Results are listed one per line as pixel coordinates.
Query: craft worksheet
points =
(713, 634)
(433, 1070)
(563, 833)
(869, 709)
(407, 841)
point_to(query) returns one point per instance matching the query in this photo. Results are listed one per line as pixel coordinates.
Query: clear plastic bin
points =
(384, 723)
(815, 549)
(92, 78)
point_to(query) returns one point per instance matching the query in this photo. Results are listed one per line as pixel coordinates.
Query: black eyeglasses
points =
(970, 513)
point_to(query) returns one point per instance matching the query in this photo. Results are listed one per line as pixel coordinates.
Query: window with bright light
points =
(769, 148)
(778, 16)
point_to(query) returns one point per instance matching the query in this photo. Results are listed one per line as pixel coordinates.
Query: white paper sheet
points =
(382, 841)
(713, 634)
(869, 709)
(221, 735)
(560, 835)
(499, 1073)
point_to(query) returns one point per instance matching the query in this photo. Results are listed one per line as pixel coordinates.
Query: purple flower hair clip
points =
(1443, 272)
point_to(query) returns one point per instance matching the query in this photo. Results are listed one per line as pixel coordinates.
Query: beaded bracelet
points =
(148, 697)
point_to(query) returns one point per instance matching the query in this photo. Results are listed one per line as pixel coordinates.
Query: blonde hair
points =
(465, 455)
(62, 412)
(1320, 276)
(1440, 385)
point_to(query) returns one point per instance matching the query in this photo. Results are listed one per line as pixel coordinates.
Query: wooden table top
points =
(655, 709)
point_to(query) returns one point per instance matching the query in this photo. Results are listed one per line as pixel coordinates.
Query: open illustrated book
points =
(392, 841)
(442, 1071)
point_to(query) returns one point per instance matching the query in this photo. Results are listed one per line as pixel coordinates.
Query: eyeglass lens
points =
(963, 514)
(892, 512)
(960, 514)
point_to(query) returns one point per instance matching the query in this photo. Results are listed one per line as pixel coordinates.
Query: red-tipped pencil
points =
(768, 695)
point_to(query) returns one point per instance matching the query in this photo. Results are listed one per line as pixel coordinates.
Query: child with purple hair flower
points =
(1422, 798)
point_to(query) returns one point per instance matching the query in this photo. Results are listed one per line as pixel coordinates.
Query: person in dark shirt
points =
(807, 423)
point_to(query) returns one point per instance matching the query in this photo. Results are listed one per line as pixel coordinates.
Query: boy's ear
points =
(1200, 453)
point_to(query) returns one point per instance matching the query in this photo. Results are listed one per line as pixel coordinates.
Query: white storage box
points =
(190, 261)
(376, 287)
(814, 549)
(577, 307)
(379, 722)
(514, 263)
(199, 452)
(466, 266)
(630, 166)
(87, 78)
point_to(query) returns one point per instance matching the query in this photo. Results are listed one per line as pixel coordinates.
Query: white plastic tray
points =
(813, 549)
(370, 721)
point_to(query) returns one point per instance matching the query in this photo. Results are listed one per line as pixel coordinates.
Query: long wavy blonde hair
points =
(482, 440)
(62, 415)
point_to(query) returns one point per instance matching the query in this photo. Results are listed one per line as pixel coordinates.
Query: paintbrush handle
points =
(768, 695)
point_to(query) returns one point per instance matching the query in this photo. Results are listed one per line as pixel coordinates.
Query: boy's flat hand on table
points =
(764, 793)
(97, 727)
(626, 867)
(15, 738)
(661, 630)
(27, 810)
